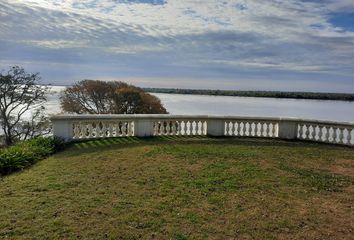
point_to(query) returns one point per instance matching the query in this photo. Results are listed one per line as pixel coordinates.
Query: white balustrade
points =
(180, 127)
(251, 128)
(77, 127)
(102, 129)
(328, 132)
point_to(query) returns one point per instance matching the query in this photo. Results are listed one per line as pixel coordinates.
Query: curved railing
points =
(76, 127)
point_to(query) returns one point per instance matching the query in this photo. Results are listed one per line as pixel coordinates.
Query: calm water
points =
(245, 106)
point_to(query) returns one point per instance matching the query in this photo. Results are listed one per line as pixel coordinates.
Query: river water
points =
(243, 106)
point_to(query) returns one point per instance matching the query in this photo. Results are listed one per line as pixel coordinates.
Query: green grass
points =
(183, 188)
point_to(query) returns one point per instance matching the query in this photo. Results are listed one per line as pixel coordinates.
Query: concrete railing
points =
(77, 127)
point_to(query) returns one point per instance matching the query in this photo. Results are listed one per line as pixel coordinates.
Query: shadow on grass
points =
(92, 145)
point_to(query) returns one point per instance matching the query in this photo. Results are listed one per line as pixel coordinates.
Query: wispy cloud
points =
(228, 40)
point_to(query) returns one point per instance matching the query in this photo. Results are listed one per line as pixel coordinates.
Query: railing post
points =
(287, 129)
(143, 127)
(215, 127)
(63, 129)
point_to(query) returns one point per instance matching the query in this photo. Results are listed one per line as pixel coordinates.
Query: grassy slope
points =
(183, 189)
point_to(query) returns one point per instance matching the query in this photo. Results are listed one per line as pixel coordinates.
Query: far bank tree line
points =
(22, 102)
(265, 94)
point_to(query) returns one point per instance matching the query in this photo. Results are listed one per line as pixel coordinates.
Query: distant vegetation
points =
(267, 94)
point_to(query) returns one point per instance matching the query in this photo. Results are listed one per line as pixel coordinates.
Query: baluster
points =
(232, 128)
(252, 129)
(196, 127)
(202, 128)
(247, 129)
(227, 128)
(89, 129)
(320, 133)
(264, 129)
(335, 134)
(93, 129)
(75, 130)
(189, 125)
(177, 128)
(341, 135)
(313, 133)
(163, 127)
(116, 126)
(260, 129)
(275, 129)
(124, 129)
(269, 129)
(154, 127)
(181, 127)
(109, 129)
(240, 129)
(307, 131)
(99, 129)
(301, 131)
(172, 128)
(199, 127)
(118, 129)
(185, 127)
(104, 129)
(194, 124)
(243, 129)
(327, 135)
(160, 128)
(349, 137)
(82, 130)
(237, 129)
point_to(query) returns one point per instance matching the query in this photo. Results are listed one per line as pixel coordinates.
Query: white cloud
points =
(292, 35)
(341, 5)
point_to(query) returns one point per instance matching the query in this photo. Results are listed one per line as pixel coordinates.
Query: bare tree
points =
(100, 97)
(21, 105)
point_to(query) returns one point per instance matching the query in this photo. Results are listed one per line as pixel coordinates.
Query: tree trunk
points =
(8, 140)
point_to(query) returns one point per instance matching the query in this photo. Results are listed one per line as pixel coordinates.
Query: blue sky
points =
(220, 44)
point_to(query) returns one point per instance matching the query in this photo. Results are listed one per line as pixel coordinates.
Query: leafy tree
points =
(101, 97)
(21, 105)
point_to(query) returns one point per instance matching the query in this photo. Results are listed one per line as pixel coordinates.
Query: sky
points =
(290, 45)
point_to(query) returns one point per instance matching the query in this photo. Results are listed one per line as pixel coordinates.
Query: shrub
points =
(26, 153)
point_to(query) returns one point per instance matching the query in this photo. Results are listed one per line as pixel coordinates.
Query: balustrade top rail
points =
(73, 127)
(196, 117)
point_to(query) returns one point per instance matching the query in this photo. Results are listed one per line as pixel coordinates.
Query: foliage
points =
(100, 97)
(266, 94)
(21, 105)
(26, 153)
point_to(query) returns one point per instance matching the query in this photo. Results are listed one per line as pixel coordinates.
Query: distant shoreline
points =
(265, 94)
(349, 97)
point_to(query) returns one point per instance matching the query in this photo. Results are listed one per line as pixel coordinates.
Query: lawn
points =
(183, 188)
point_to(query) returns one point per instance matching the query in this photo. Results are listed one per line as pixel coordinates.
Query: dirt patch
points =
(343, 167)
